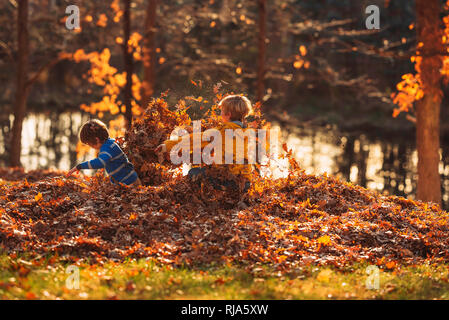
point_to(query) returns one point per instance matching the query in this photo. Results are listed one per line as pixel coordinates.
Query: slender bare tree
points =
(22, 88)
(128, 62)
(149, 53)
(262, 4)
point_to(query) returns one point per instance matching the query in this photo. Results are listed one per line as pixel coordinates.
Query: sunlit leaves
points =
(411, 89)
(134, 39)
(112, 82)
(115, 6)
(299, 61)
(102, 20)
(298, 64)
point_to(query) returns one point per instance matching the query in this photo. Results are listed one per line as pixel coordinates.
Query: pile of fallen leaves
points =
(288, 222)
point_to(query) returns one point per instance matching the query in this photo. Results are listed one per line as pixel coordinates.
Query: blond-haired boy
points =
(234, 110)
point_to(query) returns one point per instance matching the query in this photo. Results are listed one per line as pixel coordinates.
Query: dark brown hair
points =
(93, 129)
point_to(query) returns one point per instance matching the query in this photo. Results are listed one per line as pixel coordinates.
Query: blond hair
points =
(238, 107)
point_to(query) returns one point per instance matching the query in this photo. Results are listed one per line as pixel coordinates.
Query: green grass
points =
(46, 279)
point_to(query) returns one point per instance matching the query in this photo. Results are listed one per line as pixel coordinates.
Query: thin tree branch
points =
(7, 49)
(47, 66)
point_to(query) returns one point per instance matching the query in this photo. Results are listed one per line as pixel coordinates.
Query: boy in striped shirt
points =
(111, 157)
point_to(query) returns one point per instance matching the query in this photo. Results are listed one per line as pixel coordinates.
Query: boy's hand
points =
(183, 131)
(71, 171)
(189, 129)
(161, 150)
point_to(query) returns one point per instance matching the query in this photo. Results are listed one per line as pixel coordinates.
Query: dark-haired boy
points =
(95, 134)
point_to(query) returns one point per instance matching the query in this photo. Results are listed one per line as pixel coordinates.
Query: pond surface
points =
(49, 141)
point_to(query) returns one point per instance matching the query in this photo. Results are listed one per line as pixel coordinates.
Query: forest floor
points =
(302, 237)
(46, 278)
(298, 237)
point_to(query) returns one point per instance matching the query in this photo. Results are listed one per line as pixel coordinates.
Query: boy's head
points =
(94, 133)
(235, 108)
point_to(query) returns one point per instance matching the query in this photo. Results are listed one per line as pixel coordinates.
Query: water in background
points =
(49, 141)
(388, 167)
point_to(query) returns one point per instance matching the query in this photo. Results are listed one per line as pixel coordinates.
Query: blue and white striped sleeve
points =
(97, 163)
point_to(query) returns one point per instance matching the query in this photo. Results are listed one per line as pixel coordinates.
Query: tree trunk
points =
(128, 61)
(429, 32)
(149, 53)
(262, 49)
(22, 88)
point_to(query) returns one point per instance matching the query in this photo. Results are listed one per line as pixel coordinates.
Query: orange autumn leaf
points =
(298, 64)
(102, 20)
(38, 197)
(324, 240)
(30, 296)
